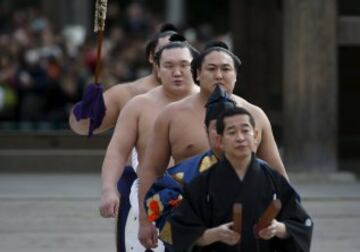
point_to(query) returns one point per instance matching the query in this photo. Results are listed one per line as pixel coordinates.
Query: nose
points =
(177, 71)
(240, 136)
(218, 75)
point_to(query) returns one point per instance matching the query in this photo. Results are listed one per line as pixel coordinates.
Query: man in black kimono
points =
(203, 221)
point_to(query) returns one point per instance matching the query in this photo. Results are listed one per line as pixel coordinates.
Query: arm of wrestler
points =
(157, 156)
(268, 149)
(115, 99)
(117, 153)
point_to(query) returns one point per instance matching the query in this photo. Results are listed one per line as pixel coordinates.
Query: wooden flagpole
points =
(99, 27)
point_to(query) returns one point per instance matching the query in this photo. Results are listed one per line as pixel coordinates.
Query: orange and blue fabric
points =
(166, 192)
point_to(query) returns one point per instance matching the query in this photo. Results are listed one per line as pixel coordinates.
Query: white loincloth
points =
(132, 224)
(134, 159)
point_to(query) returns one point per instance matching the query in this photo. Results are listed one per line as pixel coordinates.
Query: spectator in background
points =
(40, 54)
(136, 23)
(8, 96)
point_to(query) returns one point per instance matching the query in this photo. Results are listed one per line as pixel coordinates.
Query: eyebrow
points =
(220, 64)
(244, 125)
(172, 61)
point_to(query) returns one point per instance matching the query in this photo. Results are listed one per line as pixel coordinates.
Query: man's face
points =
(217, 67)
(238, 139)
(174, 69)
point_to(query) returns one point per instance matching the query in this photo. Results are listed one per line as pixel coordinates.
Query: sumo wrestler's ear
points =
(151, 58)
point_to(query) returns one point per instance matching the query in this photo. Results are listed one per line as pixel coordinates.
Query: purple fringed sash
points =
(91, 106)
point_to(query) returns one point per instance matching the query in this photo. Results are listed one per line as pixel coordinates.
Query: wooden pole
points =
(98, 66)
(310, 85)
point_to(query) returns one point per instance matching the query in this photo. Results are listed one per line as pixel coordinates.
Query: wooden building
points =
(300, 66)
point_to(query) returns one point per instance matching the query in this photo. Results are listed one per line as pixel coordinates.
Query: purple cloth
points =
(91, 106)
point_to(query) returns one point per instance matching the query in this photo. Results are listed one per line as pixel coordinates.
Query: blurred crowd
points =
(43, 71)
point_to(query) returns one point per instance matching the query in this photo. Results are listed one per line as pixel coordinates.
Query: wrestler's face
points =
(213, 138)
(217, 68)
(238, 138)
(174, 70)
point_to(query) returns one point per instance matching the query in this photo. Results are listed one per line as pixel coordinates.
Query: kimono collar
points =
(252, 169)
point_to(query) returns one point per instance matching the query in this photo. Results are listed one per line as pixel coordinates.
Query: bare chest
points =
(145, 124)
(187, 138)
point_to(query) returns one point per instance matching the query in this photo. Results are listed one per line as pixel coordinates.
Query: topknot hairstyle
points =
(166, 29)
(177, 37)
(176, 41)
(216, 43)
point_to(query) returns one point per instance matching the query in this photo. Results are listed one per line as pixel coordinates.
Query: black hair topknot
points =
(175, 44)
(168, 27)
(177, 37)
(216, 43)
(218, 101)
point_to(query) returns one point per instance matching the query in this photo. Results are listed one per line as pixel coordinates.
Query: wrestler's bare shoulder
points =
(128, 90)
(256, 111)
(186, 104)
(143, 85)
(142, 101)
